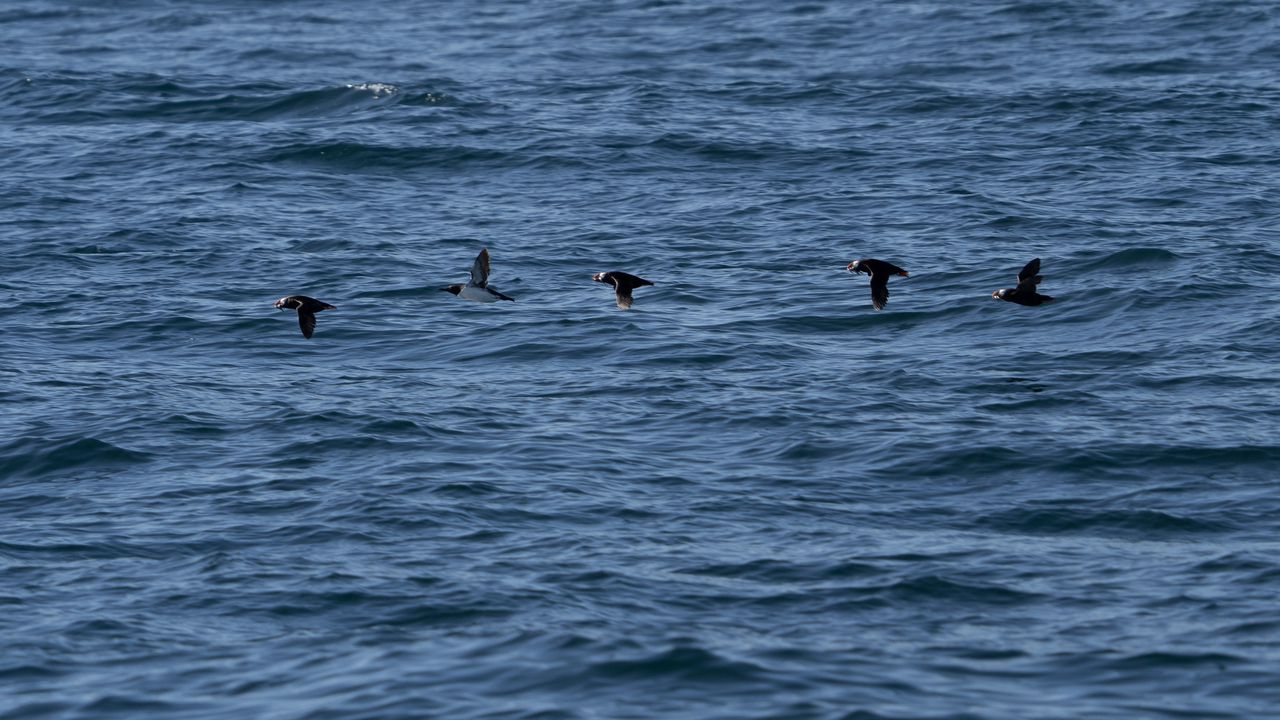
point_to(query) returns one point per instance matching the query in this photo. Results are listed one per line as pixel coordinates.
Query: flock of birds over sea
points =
(478, 289)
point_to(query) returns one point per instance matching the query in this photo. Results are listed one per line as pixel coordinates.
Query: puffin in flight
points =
(307, 308)
(1025, 293)
(623, 284)
(477, 288)
(879, 271)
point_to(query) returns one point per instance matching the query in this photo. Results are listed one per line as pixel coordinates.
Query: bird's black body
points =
(623, 284)
(307, 308)
(457, 290)
(1025, 293)
(879, 270)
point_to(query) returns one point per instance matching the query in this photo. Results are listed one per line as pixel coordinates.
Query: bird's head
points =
(598, 277)
(857, 266)
(1000, 294)
(282, 303)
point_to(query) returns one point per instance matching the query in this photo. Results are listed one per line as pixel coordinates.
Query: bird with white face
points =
(1025, 293)
(307, 308)
(879, 270)
(623, 284)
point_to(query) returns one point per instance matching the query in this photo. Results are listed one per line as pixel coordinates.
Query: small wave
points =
(341, 445)
(28, 673)
(895, 316)
(1041, 521)
(1255, 629)
(357, 156)
(935, 588)
(396, 426)
(685, 663)
(325, 101)
(274, 106)
(446, 614)
(1038, 9)
(1165, 66)
(1143, 257)
(1099, 460)
(1237, 563)
(782, 95)
(475, 489)
(122, 705)
(26, 15)
(36, 457)
(942, 70)
(1205, 459)
(730, 150)
(1237, 158)
(92, 98)
(1169, 660)
(776, 571)
(101, 550)
(194, 424)
(294, 54)
(966, 461)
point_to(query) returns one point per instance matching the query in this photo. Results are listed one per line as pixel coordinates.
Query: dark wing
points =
(879, 289)
(307, 321)
(480, 269)
(623, 291)
(1029, 276)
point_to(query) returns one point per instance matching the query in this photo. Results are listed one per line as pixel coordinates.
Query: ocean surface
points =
(751, 496)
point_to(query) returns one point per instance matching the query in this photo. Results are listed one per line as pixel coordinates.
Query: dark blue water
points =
(751, 496)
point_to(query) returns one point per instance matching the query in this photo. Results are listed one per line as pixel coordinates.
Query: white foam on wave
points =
(378, 90)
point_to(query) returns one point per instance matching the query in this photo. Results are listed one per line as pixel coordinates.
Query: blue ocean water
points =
(750, 496)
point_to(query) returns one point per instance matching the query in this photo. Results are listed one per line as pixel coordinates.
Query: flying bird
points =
(623, 284)
(307, 308)
(477, 288)
(879, 271)
(1025, 293)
